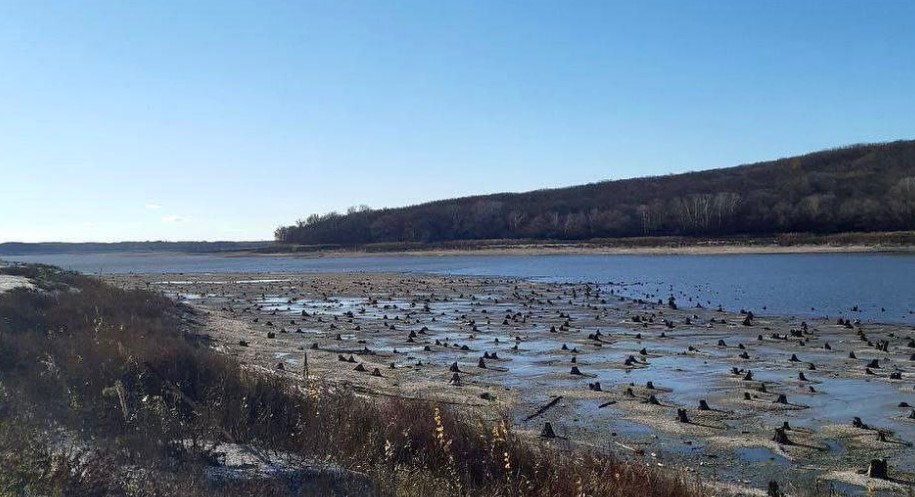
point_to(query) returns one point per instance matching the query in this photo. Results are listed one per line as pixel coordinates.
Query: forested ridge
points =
(861, 188)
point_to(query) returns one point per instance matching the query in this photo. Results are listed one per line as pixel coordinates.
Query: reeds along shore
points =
(111, 392)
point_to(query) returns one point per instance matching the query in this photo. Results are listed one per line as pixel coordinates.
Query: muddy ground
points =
(621, 365)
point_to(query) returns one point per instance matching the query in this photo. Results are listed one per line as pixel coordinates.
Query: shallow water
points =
(882, 286)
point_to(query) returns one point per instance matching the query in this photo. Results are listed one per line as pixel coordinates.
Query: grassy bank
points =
(110, 392)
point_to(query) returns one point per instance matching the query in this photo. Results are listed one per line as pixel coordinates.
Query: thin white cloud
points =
(173, 219)
(152, 206)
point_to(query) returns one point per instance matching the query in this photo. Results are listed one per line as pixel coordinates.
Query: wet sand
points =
(499, 345)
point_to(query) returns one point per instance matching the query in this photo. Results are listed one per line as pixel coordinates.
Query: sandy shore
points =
(629, 373)
(8, 282)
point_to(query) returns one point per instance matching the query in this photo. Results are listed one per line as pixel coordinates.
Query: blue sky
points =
(222, 120)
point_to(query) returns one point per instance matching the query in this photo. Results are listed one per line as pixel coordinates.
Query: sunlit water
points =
(882, 286)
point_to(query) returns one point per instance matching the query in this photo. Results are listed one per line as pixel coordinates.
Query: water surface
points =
(870, 287)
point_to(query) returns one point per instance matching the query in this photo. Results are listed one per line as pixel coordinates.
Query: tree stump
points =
(877, 469)
(547, 431)
(781, 437)
(681, 416)
(772, 490)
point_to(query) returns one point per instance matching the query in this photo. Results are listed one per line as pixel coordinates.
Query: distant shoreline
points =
(559, 251)
(788, 243)
(792, 243)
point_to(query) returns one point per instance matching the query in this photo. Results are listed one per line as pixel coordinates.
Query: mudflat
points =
(738, 397)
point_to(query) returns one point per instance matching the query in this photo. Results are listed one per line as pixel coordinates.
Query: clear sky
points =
(183, 120)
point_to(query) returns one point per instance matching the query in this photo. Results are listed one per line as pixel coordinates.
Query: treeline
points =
(19, 248)
(861, 188)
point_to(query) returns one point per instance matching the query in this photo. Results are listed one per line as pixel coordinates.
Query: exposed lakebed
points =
(618, 332)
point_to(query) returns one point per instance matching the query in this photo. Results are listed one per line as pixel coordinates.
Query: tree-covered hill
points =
(855, 188)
